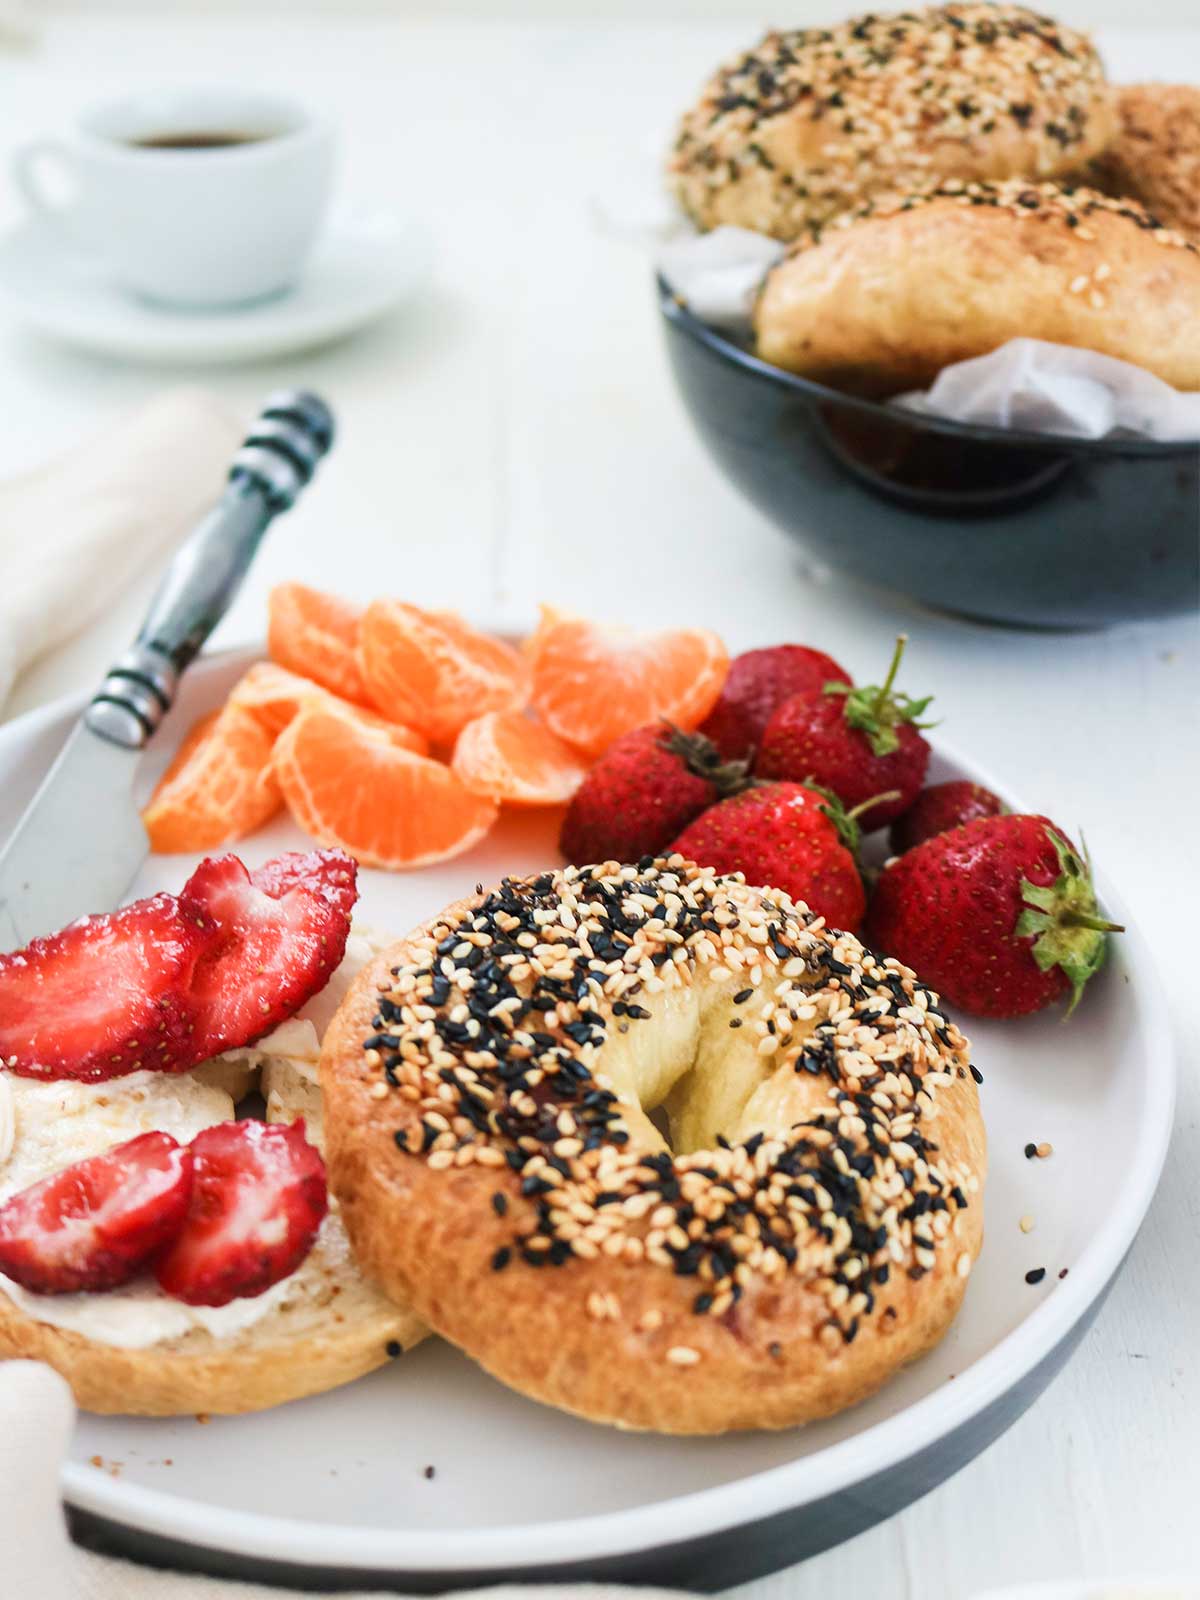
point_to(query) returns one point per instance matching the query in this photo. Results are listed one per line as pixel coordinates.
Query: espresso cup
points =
(194, 197)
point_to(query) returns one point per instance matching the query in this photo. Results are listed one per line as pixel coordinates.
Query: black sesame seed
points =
(499, 1204)
(1030, 1151)
(501, 1258)
(975, 1073)
(1035, 1275)
(393, 1348)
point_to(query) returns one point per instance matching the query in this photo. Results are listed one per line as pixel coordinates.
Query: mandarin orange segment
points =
(433, 671)
(350, 781)
(507, 756)
(219, 787)
(549, 616)
(274, 695)
(316, 635)
(593, 682)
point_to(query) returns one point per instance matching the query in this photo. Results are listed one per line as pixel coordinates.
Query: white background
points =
(515, 436)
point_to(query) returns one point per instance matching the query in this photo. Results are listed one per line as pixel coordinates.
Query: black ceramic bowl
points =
(1009, 526)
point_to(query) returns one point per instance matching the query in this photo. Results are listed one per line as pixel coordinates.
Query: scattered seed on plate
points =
(1035, 1275)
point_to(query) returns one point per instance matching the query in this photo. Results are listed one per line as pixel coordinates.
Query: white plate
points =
(336, 1486)
(360, 269)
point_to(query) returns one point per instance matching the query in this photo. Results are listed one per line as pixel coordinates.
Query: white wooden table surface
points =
(515, 437)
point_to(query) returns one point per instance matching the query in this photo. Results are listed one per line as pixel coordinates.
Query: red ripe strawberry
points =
(999, 915)
(758, 683)
(96, 1224)
(106, 995)
(169, 981)
(857, 742)
(258, 1199)
(938, 809)
(783, 836)
(645, 787)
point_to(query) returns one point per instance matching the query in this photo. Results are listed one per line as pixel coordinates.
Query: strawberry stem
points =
(875, 800)
(886, 686)
(1082, 919)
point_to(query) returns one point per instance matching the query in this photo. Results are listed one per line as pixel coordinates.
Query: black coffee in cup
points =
(208, 140)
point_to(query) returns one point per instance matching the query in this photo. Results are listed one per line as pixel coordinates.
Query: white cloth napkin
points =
(75, 531)
(1027, 383)
(41, 1563)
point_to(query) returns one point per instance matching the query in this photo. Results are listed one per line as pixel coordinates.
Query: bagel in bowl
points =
(134, 1349)
(814, 121)
(496, 1086)
(895, 291)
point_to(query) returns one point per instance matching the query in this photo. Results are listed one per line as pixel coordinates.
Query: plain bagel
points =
(815, 120)
(489, 1085)
(894, 292)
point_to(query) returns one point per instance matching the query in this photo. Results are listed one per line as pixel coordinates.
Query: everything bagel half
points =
(495, 1090)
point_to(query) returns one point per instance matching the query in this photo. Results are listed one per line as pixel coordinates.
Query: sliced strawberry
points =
(283, 931)
(167, 982)
(96, 1224)
(104, 996)
(258, 1199)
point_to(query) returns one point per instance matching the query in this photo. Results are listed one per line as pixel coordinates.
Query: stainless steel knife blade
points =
(78, 846)
(81, 841)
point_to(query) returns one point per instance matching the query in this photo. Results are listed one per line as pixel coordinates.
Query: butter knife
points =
(80, 842)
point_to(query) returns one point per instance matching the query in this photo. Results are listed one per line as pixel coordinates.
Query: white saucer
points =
(362, 268)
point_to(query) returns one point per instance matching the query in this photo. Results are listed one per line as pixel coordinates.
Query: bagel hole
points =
(662, 1122)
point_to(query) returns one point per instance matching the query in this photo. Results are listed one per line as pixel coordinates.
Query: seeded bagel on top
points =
(813, 121)
(895, 291)
(489, 1084)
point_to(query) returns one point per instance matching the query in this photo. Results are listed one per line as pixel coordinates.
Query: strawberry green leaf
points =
(845, 822)
(878, 711)
(1063, 919)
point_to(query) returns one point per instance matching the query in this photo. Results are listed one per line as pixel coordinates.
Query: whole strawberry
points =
(857, 742)
(999, 916)
(758, 683)
(783, 836)
(645, 787)
(938, 809)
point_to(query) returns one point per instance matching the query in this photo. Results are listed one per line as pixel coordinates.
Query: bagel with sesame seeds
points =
(1155, 155)
(814, 121)
(496, 1086)
(895, 291)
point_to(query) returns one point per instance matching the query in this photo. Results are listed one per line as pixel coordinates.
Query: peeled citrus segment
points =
(348, 780)
(507, 756)
(432, 671)
(593, 682)
(316, 635)
(219, 786)
(274, 695)
(549, 616)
